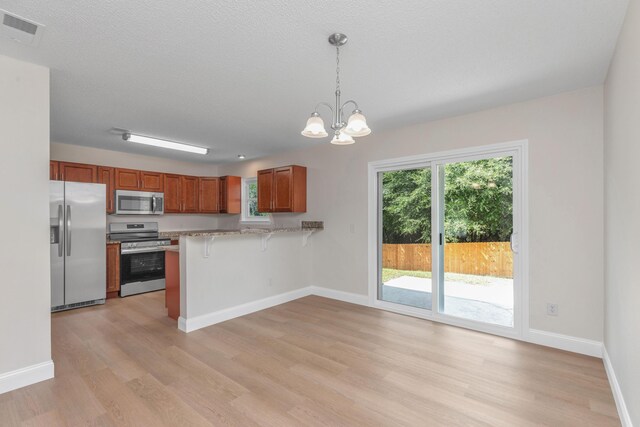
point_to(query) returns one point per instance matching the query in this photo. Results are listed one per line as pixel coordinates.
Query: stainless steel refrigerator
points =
(78, 244)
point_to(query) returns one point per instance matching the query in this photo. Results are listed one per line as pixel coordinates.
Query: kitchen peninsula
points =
(229, 273)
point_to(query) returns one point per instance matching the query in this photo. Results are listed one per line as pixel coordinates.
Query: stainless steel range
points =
(141, 259)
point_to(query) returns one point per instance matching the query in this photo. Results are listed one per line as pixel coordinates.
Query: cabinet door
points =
(265, 190)
(189, 194)
(151, 181)
(209, 195)
(232, 194)
(106, 176)
(78, 172)
(172, 193)
(127, 179)
(53, 170)
(283, 189)
(113, 270)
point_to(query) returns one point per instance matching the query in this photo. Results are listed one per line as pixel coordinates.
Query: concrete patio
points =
(490, 302)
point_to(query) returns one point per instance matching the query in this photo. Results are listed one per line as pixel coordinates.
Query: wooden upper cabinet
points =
(53, 170)
(127, 179)
(106, 175)
(77, 172)
(282, 189)
(230, 194)
(172, 193)
(190, 193)
(265, 190)
(131, 179)
(209, 189)
(151, 181)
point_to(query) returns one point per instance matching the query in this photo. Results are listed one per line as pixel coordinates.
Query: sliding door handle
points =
(515, 244)
(68, 239)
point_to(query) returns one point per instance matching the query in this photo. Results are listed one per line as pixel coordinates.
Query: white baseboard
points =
(623, 412)
(340, 295)
(26, 376)
(202, 321)
(565, 342)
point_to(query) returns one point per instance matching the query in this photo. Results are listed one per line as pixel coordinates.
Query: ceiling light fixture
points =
(163, 143)
(241, 156)
(356, 126)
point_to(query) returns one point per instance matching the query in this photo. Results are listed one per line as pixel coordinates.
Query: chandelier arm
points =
(351, 101)
(326, 104)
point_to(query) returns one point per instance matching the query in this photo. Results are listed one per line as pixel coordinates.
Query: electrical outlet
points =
(552, 309)
(269, 282)
(352, 228)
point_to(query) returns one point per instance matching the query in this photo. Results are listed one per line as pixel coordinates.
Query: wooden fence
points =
(482, 259)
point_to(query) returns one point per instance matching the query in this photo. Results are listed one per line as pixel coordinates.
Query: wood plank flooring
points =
(313, 361)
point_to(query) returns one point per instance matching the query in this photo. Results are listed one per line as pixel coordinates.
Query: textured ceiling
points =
(243, 76)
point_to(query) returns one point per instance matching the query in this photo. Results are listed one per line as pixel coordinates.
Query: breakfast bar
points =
(205, 283)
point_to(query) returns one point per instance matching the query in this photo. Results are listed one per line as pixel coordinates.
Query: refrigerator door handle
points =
(68, 239)
(60, 230)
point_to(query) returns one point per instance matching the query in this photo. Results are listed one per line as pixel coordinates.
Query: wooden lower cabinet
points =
(172, 287)
(106, 176)
(77, 172)
(113, 270)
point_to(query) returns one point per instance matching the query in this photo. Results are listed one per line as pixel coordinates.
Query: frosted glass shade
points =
(357, 125)
(315, 127)
(342, 139)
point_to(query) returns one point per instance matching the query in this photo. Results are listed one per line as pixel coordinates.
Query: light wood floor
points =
(313, 361)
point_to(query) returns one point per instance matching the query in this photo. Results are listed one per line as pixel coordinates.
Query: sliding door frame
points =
(435, 161)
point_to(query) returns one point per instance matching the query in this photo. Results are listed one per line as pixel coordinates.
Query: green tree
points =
(478, 202)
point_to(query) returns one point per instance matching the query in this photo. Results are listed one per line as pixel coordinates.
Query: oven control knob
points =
(134, 245)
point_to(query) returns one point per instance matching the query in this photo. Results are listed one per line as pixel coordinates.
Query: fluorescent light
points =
(163, 143)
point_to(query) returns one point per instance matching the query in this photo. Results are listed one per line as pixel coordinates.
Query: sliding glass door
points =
(405, 272)
(476, 257)
(447, 228)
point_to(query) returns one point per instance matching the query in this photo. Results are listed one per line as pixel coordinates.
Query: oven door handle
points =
(140, 250)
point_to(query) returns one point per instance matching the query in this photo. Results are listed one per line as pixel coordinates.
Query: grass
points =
(389, 274)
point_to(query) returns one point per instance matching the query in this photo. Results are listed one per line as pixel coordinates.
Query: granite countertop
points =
(112, 242)
(171, 248)
(306, 226)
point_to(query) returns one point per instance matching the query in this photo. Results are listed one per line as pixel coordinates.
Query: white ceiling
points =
(242, 76)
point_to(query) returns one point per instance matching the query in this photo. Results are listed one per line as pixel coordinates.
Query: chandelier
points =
(344, 132)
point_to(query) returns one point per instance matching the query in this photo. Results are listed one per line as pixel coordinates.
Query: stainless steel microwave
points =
(139, 203)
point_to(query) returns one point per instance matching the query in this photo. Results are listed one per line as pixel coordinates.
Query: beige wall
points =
(75, 153)
(622, 211)
(566, 203)
(25, 331)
